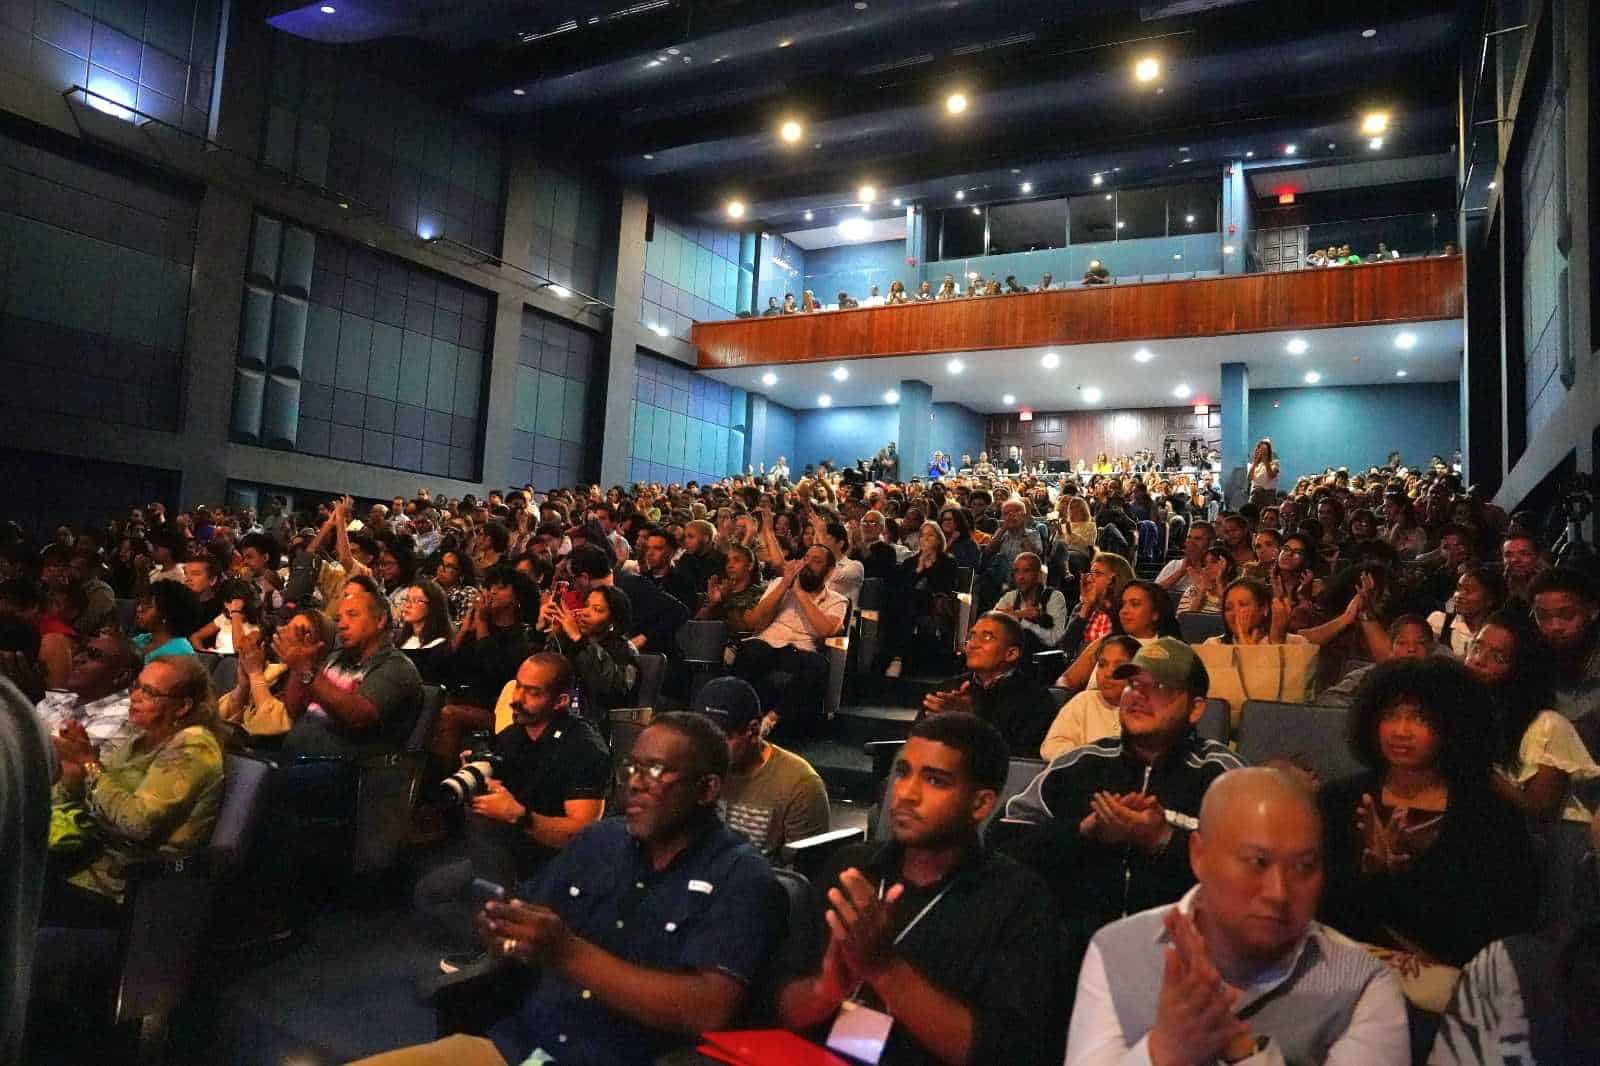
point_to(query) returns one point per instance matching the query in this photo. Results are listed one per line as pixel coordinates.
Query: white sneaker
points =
(895, 666)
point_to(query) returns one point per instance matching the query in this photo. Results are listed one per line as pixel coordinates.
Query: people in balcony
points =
(789, 306)
(772, 307)
(848, 302)
(1097, 274)
(947, 288)
(808, 302)
(925, 291)
(1046, 281)
(898, 294)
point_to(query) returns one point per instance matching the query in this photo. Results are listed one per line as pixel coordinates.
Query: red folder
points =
(766, 1047)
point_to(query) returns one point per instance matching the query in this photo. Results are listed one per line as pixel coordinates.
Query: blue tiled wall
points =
(94, 288)
(957, 430)
(855, 268)
(845, 434)
(570, 227)
(685, 426)
(1543, 338)
(1312, 429)
(43, 490)
(783, 270)
(782, 435)
(691, 273)
(553, 437)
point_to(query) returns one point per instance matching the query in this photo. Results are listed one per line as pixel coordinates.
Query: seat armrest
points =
(195, 865)
(809, 855)
(882, 753)
(1003, 831)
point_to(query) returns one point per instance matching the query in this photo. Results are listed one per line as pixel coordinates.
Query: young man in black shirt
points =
(943, 951)
(996, 689)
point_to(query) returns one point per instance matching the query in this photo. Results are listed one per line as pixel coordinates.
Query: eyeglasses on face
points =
(653, 771)
(139, 687)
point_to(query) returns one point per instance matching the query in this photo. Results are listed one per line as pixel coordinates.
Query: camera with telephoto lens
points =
(478, 765)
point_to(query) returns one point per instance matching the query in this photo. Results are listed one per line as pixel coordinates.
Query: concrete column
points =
(222, 235)
(617, 441)
(915, 442)
(755, 437)
(500, 399)
(1235, 217)
(1235, 431)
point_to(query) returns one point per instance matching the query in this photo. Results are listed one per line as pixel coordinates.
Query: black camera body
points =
(478, 766)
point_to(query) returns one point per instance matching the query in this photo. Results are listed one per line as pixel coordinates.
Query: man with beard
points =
(792, 620)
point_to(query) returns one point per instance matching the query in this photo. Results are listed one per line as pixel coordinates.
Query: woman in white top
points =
(239, 604)
(425, 629)
(1077, 524)
(1263, 471)
(1540, 756)
(1479, 593)
(1093, 713)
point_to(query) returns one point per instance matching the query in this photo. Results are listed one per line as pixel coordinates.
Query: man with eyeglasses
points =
(644, 932)
(1565, 607)
(96, 694)
(996, 688)
(1115, 816)
(1176, 576)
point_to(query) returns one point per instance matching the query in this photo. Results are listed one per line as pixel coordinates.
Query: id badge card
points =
(860, 1032)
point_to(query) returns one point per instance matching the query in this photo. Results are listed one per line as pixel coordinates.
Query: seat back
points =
(164, 925)
(626, 723)
(652, 669)
(1150, 544)
(208, 659)
(1197, 626)
(1216, 723)
(1303, 731)
(127, 616)
(244, 798)
(432, 704)
(872, 594)
(966, 606)
(225, 674)
(702, 641)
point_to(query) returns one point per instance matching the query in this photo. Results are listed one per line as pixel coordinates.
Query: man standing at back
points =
(1237, 971)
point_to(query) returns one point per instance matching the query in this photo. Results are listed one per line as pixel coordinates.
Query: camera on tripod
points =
(478, 766)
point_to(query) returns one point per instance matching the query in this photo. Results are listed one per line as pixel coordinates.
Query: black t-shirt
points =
(569, 761)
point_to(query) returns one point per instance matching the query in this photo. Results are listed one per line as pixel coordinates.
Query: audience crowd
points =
(1175, 905)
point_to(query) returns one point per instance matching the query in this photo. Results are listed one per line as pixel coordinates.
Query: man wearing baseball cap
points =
(1114, 817)
(771, 795)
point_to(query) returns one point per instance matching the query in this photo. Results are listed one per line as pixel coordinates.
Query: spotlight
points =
(955, 366)
(1143, 355)
(327, 9)
(1399, 373)
(1312, 377)
(1027, 187)
(769, 379)
(1289, 149)
(1050, 360)
(1147, 69)
(1091, 395)
(824, 400)
(519, 92)
(1181, 392)
(1375, 143)
(1008, 399)
(1374, 123)
(840, 373)
(560, 292)
(1406, 341)
(956, 103)
(891, 397)
(961, 194)
(1099, 179)
(809, 216)
(735, 209)
(895, 202)
(866, 194)
(1296, 346)
(791, 131)
(1120, 223)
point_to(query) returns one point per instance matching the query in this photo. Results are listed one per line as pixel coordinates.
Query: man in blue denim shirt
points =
(647, 929)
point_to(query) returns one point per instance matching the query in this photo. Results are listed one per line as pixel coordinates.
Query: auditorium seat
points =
(1306, 731)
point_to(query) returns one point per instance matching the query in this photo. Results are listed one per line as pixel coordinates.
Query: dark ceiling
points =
(686, 96)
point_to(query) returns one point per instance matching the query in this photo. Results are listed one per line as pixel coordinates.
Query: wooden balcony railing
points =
(1406, 290)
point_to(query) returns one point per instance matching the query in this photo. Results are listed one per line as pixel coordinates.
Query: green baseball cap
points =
(1172, 663)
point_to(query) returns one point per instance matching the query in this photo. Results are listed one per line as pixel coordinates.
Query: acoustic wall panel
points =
(555, 434)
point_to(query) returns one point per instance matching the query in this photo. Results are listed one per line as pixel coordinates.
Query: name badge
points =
(860, 1032)
(700, 886)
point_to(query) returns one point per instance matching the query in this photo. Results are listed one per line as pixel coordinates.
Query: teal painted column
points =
(755, 435)
(616, 466)
(1235, 431)
(749, 243)
(1235, 217)
(915, 442)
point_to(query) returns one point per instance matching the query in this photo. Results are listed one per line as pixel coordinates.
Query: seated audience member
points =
(847, 574)
(797, 613)
(924, 292)
(1115, 815)
(88, 569)
(1013, 285)
(700, 562)
(204, 577)
(593, 640)
(947, 288)
(995, 687)
(1097, 274)
(95, 695)
(455, 574)
(1014, 537)
(1040, 611)
(950, 946)
(1565, 607)
(23, 599)
(730, 597)
(1209, 582)
(550, 783)
(1239, 970)
(1527, 1000)
(1540, 761)
(1479, 593)
(1046, 282)
(167, 614)
(956, 525)
(255, 703)
(365, 697)
(1143, 611)
(1257, 658)
(848, 302)
(1179, 574)
(425, 632)
(612, 990)
(1445, 565)
(919, 610)
(498, 633)
(1425, 864)
(260, 558)
(808, 301)
(656, 592)
(155, 795)
(1356, 633)
(1233, 534)
(237, 610)
(771, 795)
(1095, 615)
(898, 294)
(1522, 562)
(1410, 637)
(772, 307)
(1095, 712)
(789, 306)
(24, 839)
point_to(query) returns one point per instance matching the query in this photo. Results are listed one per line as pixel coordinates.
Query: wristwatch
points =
(307, 676)
(92, 771)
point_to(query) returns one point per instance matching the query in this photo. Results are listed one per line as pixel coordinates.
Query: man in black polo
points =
(929, 947)
(646, 930)
(551, 782)
(995, 690)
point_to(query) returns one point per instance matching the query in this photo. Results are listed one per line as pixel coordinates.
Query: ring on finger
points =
(508, 946)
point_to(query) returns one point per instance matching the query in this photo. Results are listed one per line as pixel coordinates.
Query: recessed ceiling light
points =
(1189, 219)
(891, 397)
(956, 103)
(1312, 377)
(647, 155)
(1143, 355)
(327, 9)
(1027, 187)
(895, 202)
(1099, 180)
(955, 366)
(1369, 32)
(1406, 341)
(861, 5)
(1091, 394)
(735, 208)
(1375, 144)
(961, 194)
(866, 194)
(1399, 373)
(1008, 399)
(519, 92)
(977, 210)
(1181, 392)
(1289, 149)
(1120, 223)
(345, 204)
(1374, 122)
(854, 228)
(674, 51)
(1296, 346)
(1147, 69)
(1050, 360)
(1108, 196)
(809, 216)
(653, 63)
(824, 400)
(791, 131)
(840, 374)
(769, 379)
(1331, 146)
(1250, 155)
(1227, 249)
(785, 43)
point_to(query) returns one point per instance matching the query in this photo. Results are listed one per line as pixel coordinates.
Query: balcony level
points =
(1405, 290)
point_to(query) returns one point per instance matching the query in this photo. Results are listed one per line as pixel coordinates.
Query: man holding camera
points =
(542, 780)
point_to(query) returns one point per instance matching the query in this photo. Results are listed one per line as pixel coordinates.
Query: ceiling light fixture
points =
(895, 202)
(791, 131)
(1181, 392)
(560, 292)
(648, 155)
(1406, 341)
(1091, 394)
(1227, 249)
(1121, 223)
(1289, 149)
(1099, 180)
(769, 379)
(1250, 155)
(1374, 123)
(1008, 399)
(1108, 196)
(1296, 346)
(1050, 360)
(1312, 377)
(1369, 32)
(956, 103)
(840, 374)
(955, 366)
(861, 5)
(855, 229)
(866, 194)
(735, 209)
(519, 92)
(891, 397)
(1399, 373)
(1492, 184)
(328, 9)
(653, 63)
(1143, 355)
(809, 216)
(1027, 187)
(961, 194)
(660, 331)
(1375, 144)
(1189, 219)
(785, 43)
(977, 210)
(824, 400)
(1147, 69)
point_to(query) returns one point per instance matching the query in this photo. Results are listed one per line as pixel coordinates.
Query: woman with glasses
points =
(455, 573)
(425, 631)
